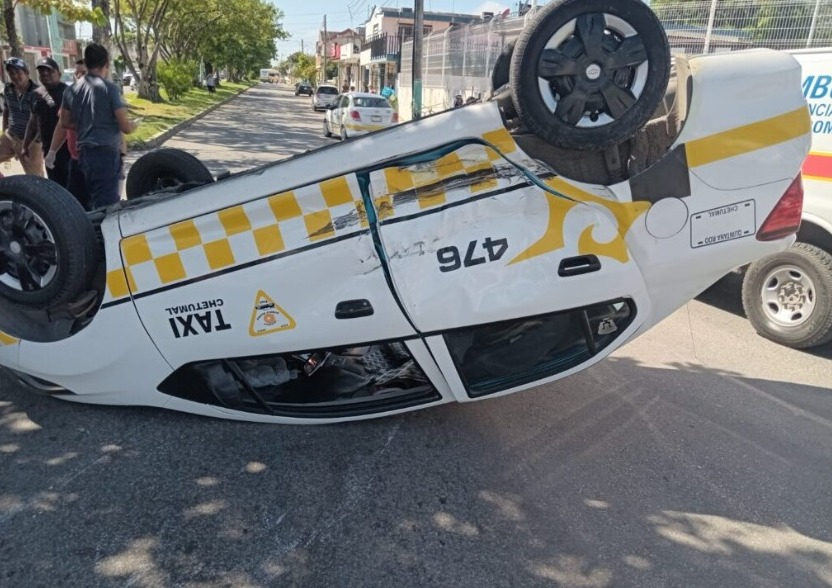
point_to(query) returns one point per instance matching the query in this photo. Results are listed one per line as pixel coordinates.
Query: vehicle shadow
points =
(624, 475)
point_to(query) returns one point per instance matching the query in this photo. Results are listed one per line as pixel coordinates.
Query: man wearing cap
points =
(46, 106)
(18, 97)
(94, 107)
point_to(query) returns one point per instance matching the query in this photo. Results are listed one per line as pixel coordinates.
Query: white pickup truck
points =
(788, 296)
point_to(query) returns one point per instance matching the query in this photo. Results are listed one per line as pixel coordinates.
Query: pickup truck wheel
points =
(48, 248)
(588, 74)
(788, 296)
(165, 168)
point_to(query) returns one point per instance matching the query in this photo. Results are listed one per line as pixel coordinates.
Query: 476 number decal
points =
(450, 259)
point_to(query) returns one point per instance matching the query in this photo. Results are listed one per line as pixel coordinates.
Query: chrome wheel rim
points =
(592, 70)
(28, 254)
(789, 296)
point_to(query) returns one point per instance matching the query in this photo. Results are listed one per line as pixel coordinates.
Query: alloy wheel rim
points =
(593, 70)
(28, 254)
(789, 296)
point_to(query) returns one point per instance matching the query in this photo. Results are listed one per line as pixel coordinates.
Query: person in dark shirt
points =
(94, 107)
(18, 99)
(46, 106)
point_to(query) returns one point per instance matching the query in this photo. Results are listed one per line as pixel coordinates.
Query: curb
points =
(155, 141)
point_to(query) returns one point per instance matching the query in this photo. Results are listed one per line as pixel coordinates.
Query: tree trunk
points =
(11, 28)
(149, 90)
(101, 33)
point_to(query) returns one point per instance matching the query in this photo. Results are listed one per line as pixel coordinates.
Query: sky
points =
(303, 19)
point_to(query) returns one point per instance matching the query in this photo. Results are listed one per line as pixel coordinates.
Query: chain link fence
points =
(460, 60)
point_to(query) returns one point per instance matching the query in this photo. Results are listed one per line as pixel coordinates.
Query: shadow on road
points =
(263, 125)
(624, 475)
(726, 295)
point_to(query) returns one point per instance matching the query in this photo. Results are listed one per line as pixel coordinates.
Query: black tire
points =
(813, 267)
(501, 74)
(41, 217)
(165, 168)
(327, 130)
(585, 85)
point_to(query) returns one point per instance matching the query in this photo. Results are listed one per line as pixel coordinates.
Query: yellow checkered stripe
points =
(237, 235)
(457, 176)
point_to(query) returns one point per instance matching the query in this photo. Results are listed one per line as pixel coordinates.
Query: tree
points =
(74, 10)
(237, 35)
(298, 65)
(138, 25)
(101, 30)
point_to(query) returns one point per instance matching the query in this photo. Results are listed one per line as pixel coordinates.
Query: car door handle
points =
(350, 309)
(576, 266)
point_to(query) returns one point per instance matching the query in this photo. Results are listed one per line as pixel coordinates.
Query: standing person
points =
(75, 182)
(46, 106)
(94, 107)
(211, 82)
(18, 99)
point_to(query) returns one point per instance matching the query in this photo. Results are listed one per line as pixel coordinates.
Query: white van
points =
(788, 296)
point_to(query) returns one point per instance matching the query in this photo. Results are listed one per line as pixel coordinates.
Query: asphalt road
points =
(699, 455)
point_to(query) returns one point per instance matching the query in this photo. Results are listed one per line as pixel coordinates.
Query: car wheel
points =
(588, 74)
(500, 76)
(48, 244)
(165, 168)
(327, 130)
(787, 297)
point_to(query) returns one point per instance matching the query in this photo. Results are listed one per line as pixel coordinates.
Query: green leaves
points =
(237, 35)
(177, 77)
(73, 9)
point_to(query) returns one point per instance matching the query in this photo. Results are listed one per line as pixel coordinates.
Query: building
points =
(345, 51)
(42, 35)
(385, 31)
(324, 48)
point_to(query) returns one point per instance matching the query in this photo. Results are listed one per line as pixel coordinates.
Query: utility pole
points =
(323, 73)
(709, 31)
(418, 33)
(814, 24)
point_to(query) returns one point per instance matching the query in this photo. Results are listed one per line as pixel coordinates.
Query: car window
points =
(327, 90)
(371, 102)
(345, 101)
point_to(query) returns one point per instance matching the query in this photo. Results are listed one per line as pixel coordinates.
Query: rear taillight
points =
(784, 220)
(354, 114)
(395, 118)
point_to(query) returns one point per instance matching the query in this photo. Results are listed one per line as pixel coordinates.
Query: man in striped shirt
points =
(18, 98)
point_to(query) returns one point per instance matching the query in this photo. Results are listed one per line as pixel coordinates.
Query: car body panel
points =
(193, 277)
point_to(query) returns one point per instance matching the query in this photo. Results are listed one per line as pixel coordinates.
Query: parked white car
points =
(323, 96)
(358, 113)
